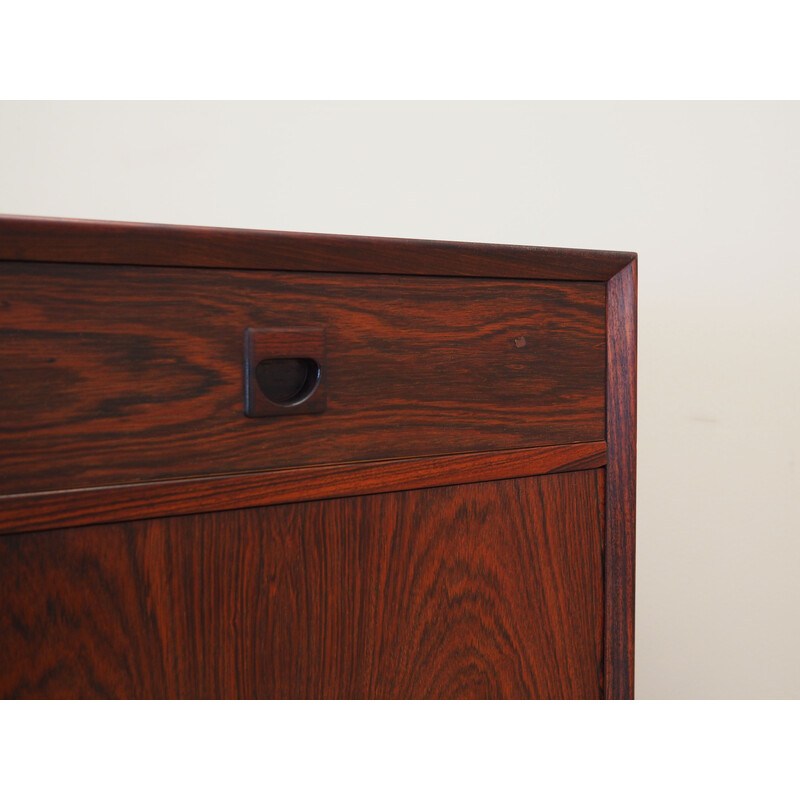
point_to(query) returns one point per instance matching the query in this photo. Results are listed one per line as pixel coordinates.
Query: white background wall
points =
(707, 193)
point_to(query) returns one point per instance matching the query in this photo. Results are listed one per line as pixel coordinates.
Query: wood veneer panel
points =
(620, 545)
(43, 510)
(486, 590)
(87, 241)
(136, 373)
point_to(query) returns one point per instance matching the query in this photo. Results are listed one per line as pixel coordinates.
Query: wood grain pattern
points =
(43, 510)
(396, 546)
(488, 590)
(620, 543)
(93, 242)
(135, 373)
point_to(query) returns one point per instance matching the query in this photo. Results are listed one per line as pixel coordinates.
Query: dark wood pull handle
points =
(284, 371)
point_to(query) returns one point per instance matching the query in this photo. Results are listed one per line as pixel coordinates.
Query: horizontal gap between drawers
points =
(21, 513)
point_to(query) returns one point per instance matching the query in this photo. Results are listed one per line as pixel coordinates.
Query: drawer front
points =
(116, 374)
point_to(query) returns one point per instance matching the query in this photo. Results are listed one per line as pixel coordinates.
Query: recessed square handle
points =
(284, 371)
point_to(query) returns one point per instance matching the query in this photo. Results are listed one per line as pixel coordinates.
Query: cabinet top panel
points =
(93, 242)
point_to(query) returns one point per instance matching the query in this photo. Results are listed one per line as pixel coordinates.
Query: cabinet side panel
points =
(620, 542)
(487, 590)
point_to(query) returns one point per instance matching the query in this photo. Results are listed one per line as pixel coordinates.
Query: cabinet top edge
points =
(51, 239)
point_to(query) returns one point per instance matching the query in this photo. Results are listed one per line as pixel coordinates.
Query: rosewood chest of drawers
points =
(241, 464)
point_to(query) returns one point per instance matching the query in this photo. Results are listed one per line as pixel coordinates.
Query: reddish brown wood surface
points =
(136, 373)
(93, 242)
(124, 374)
(620, 545)
(43, 510)
(485, 590)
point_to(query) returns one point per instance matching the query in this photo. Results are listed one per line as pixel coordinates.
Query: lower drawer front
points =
(483, 590)
(122, 374)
